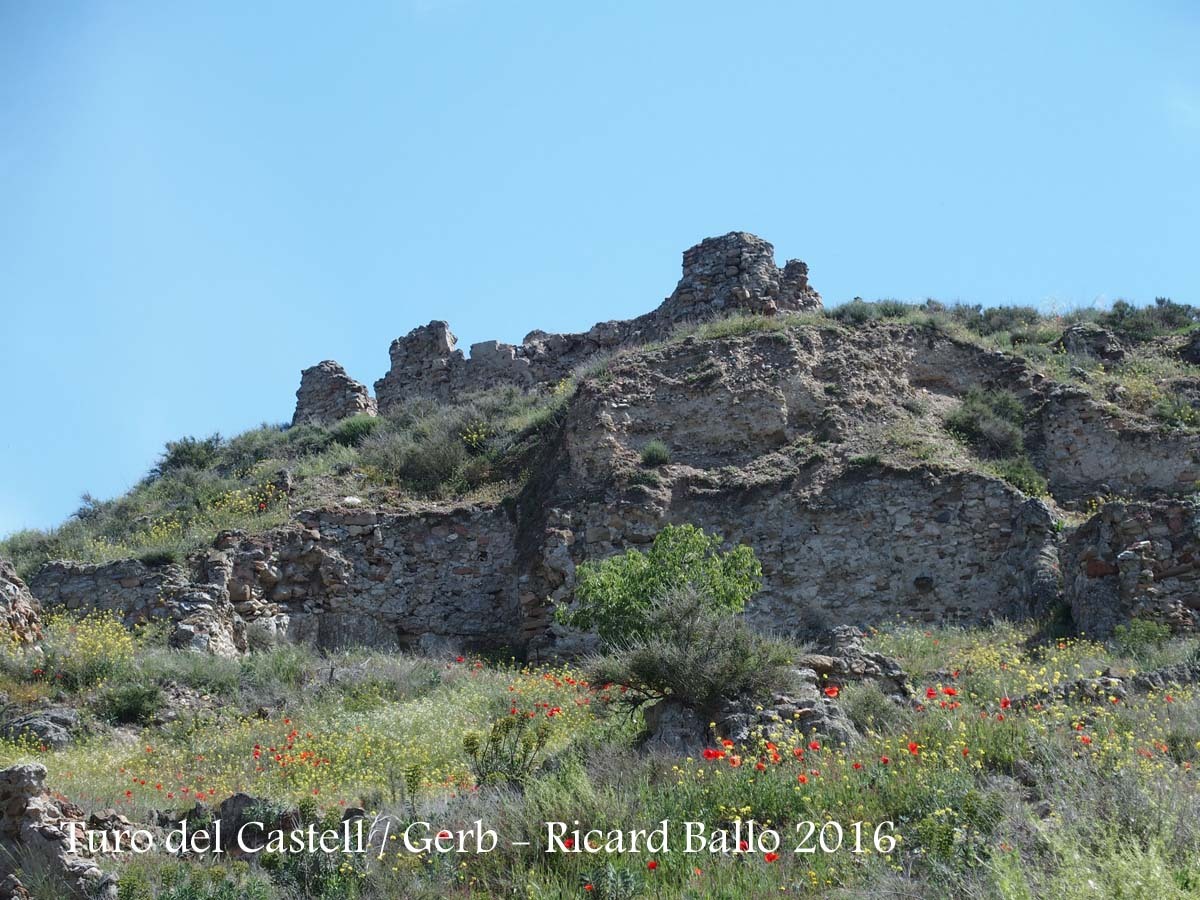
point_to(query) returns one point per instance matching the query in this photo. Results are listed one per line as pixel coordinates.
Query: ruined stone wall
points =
(336, 577)
(1134, 560)
(327, 394)
(383, 579)
(870, 547)
(19, 619)
(735, 272)
(1084, 448)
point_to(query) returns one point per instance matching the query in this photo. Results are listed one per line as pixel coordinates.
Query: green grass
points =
(403, 735)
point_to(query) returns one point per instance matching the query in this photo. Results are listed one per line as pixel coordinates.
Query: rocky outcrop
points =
(1089, 339)
(1135, 560)
(19, 619)
(806, 706)
(327, 394)
(34, 835)
(52, 728)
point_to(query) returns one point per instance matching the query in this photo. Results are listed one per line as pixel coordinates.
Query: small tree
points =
(614, 596)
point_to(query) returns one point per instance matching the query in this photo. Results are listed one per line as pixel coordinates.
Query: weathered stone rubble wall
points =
(1084, 447)
(35, 841)
(720, 275)
(337, 577)
(1134, 560)
(18, 611)
(327, 394)
(867, 548)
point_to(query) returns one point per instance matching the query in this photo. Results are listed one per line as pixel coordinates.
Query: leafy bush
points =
(353, 431)
(615, 596)
(130, 703)
(655, 453)
(1146, 322)
(189, 453)
(694, 652)
(990, 422)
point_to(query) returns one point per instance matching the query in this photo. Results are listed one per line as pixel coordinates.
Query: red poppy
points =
(814, 745)
(885, 760)
(802, 778)
(950, 692)
(831, 691)
(913, 748)
(857, 766)
(652, 865)
(771, 857)
(1005, 703)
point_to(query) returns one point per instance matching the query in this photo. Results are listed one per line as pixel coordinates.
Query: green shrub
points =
(615, 596)
(353, 431)
(696, 653)
(1140, 324)
(990, 422)
(644, 478)
(509, 753)
(189, 453)
(130, 703)
(1140, 637)
(864, 460)
(655, 453)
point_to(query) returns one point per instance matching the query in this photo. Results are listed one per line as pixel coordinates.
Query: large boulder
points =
(19, 617)
(53, 728)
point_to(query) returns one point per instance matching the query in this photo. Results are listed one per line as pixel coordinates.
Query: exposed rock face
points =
(19, 617)
(327, 394)
(1089, 339)
(1135, 560)
(34, 832)
(737, 272)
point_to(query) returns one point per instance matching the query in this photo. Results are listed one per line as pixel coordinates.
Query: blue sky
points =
(198, 200)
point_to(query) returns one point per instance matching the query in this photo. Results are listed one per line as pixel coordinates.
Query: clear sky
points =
(197, 200)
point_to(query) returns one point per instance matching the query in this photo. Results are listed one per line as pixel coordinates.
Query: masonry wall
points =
(1135, 560)
(1086, 448)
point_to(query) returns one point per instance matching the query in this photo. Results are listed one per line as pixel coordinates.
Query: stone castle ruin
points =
(770, 432)
(721, 275)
